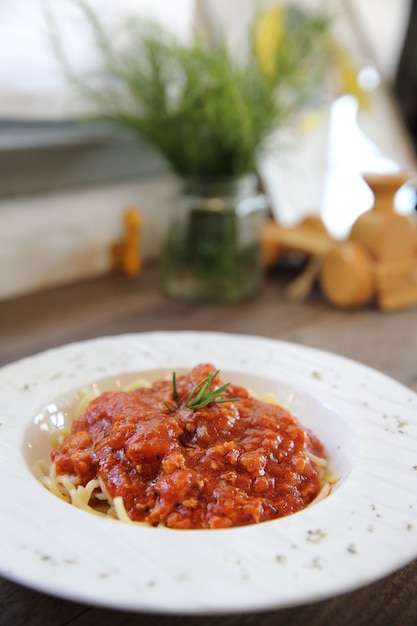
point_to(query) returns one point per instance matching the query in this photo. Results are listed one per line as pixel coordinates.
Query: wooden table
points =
(117, 304)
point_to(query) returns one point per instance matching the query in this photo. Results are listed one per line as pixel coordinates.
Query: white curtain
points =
(31, 82)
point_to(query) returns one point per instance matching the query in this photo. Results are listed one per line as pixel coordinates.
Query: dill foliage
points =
(207, 113)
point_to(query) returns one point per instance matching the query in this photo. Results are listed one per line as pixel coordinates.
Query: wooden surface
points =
(116, 304)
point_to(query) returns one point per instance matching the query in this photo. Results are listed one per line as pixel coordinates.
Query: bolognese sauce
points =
(235, 461)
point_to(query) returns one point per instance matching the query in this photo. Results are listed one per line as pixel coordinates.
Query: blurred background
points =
(64, 186)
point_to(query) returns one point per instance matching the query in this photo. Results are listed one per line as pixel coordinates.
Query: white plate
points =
(363, 531)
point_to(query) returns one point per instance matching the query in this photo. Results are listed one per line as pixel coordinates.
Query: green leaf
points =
(201, 396)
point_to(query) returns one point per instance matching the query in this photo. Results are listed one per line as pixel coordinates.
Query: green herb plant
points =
(210, 116)
(207, 113)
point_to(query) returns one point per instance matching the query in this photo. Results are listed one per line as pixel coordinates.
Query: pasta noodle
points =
(94, 491)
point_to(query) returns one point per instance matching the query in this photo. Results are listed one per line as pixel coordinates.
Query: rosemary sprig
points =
(201, 396)
(174, 387)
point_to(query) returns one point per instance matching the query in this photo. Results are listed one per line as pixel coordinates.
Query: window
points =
(42, 146)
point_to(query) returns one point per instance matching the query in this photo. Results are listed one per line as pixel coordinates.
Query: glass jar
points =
(212, 250)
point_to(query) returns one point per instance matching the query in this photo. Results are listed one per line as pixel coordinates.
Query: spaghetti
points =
(149, 455)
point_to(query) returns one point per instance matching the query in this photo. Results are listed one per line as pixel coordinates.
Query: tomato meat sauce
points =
(230, 463)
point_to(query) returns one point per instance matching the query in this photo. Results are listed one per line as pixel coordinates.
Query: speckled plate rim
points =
(365, 530)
